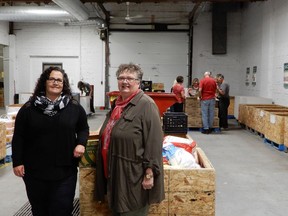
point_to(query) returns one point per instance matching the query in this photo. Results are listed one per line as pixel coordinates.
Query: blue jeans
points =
(207, 110)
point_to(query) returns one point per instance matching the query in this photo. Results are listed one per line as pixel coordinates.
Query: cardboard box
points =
(157, 86)
(2, 140)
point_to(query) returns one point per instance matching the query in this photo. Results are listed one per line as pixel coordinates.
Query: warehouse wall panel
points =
(162, 56)
(78, 48)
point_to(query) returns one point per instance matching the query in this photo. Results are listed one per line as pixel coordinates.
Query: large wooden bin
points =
(187, 191)
(274, 129)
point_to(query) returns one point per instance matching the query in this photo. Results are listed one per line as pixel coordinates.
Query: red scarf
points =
(115, 115)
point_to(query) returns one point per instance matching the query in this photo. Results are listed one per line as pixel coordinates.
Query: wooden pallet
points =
(278, 146)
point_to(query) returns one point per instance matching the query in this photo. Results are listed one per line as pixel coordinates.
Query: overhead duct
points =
(34, 14)
(75, 7)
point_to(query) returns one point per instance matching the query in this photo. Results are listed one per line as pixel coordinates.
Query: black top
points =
(45, 144)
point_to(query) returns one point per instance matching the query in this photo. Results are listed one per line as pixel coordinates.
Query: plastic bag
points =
(178, 156)
(184, 143)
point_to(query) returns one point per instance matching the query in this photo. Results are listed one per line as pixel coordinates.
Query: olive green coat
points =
(135, 144)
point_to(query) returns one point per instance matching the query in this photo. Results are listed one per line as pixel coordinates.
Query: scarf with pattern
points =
(49, 107)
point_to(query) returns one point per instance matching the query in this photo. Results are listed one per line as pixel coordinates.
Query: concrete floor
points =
(250, 176)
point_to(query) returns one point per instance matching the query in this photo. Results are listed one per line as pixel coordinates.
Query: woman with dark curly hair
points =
(178, 90)
(51, 132)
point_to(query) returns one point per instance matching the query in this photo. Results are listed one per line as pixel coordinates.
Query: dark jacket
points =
(135, 144)
(44, 144)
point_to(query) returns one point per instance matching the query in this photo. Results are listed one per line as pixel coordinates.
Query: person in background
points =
(194, 90)
(207, 91)
(224, 100)
(171, 91)
(51, 132)
(129, 166)
(89, 91)
(178, 90)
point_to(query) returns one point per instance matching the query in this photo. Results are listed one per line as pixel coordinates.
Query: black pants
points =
(223, 112)
(51, 198)
(92, 109)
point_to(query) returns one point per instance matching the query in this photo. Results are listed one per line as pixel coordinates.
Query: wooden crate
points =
(258, 117)
(245, 111)
(88, 205)
(275, 126)
(231, 106)
(196, 122)
(286, 131)
(2, 140)
(89, 157)
(192, 191)
(187, 191)
(191, 102)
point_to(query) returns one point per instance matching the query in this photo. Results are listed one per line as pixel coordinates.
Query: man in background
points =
(207, 89)
(224, 100)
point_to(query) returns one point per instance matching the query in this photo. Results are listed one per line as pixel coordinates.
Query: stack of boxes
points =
(7, 123)
(193, 110)
(6, 134)
(2, 141)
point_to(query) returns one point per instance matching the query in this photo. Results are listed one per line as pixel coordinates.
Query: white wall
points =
(78, 48)
(264, 44)
(162, 55)
(4, 30)
(227, 64)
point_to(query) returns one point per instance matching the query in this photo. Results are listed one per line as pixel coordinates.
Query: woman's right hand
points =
(19, 171)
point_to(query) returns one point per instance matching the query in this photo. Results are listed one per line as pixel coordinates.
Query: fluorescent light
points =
(47, 12)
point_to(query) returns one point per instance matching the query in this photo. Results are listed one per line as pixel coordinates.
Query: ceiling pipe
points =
(75, 7)
(34, 14)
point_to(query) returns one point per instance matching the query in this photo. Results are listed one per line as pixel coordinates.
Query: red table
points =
(162, 100)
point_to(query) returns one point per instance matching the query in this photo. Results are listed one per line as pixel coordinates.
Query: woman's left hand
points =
(79, 151)
(147, 183)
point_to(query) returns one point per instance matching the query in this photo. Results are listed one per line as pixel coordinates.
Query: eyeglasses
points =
(54, 80)
(128, 79)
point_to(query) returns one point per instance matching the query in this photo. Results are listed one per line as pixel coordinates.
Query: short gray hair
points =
(131, 68)
(207, 73)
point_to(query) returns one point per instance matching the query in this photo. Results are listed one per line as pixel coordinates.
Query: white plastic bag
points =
(179, 157)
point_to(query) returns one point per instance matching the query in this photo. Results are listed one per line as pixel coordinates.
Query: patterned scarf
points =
(49, 107)
(115, 115)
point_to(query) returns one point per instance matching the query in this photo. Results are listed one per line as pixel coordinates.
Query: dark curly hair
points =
(40, 88)
(180, 79)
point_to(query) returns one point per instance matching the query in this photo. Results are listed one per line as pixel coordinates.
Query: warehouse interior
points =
(243, 39)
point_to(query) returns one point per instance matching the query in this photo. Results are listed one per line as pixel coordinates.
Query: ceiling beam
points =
(123, 1)
(161, 1)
